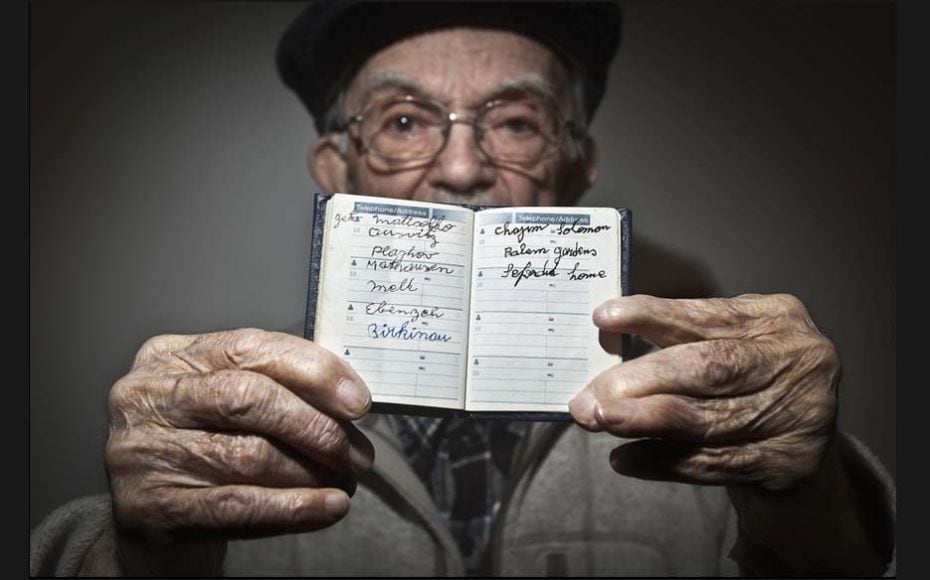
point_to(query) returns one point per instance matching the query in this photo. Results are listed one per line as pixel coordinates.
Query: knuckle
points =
(796, 306)
(712, 417)
(249, 456)
(120, 394)
(750, 296)
(723, 312)
(685, 417)
(817, 358)
(705, 421)
(324, 365)
(149, 349)
(704, 464)
(328, 436)
(223, 395)
(228, 507)
(719, 362)
(296, 503)
(156, 348)
(245, 341)
(789, 304)
(819, 414)
(829, 359)
(142, 455)
(788, 311)
(188, 392)
(726, 462)
(240, 398)
(126, 403)
(175, 511)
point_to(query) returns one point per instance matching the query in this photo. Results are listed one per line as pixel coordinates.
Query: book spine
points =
(626, 237)
(316, 253)
(626, 220)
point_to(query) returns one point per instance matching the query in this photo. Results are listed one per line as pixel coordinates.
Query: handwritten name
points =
(424, 229)
(524, 250)
(396, 265)
(574, 228)
(529, 271)
(520, 231)
(402, 332)
(415, 313)
(405, 285)
(391, 252)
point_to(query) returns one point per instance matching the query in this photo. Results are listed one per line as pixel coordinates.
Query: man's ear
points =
(583, 173)
(328, 165)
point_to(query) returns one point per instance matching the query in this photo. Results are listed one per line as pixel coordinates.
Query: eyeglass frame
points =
(449, 118)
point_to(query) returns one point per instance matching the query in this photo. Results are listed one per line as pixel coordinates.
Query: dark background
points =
(752, 140)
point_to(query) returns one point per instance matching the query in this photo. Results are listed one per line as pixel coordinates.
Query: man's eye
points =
(405, 124)
(519, 126)
(402, 124)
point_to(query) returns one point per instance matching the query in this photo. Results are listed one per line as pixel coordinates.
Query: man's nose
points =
(461, 166)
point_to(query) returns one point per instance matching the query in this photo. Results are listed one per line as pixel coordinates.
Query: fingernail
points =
(583, 408)
(354, 396)
(336, 505)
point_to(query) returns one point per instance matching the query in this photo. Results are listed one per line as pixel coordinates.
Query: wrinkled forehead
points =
(462, 68)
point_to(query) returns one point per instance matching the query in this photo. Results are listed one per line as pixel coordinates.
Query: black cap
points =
(331, 39)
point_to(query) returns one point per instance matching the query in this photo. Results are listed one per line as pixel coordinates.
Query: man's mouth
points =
(472, 198)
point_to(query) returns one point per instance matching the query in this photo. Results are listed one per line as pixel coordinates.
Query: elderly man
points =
(242, 451)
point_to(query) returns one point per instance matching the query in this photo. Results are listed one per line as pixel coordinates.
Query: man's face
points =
(462, 69)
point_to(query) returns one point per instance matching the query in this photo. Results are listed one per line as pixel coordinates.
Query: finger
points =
(254, 403)
(688, 419)
(243, 511)
(315, 374)
(707, 369)
(194, 458)
(160, 348)
(667, 321)
(664, 460)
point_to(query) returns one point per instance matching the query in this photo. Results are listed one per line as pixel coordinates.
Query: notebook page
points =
(394, 296)
(538, 275)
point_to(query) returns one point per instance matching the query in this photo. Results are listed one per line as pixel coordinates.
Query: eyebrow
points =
(531, 83)
(389, 80)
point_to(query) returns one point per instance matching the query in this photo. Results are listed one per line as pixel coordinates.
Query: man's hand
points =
(234, 434)
(743, 391)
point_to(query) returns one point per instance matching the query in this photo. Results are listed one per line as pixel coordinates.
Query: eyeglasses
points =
(401, 132)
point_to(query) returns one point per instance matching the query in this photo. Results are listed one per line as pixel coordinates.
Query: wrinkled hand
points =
(744, 391)
(234, 434)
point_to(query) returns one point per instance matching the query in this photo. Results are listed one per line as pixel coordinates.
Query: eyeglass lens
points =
(406, 130)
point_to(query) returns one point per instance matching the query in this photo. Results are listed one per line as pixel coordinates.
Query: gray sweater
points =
(567, 513)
